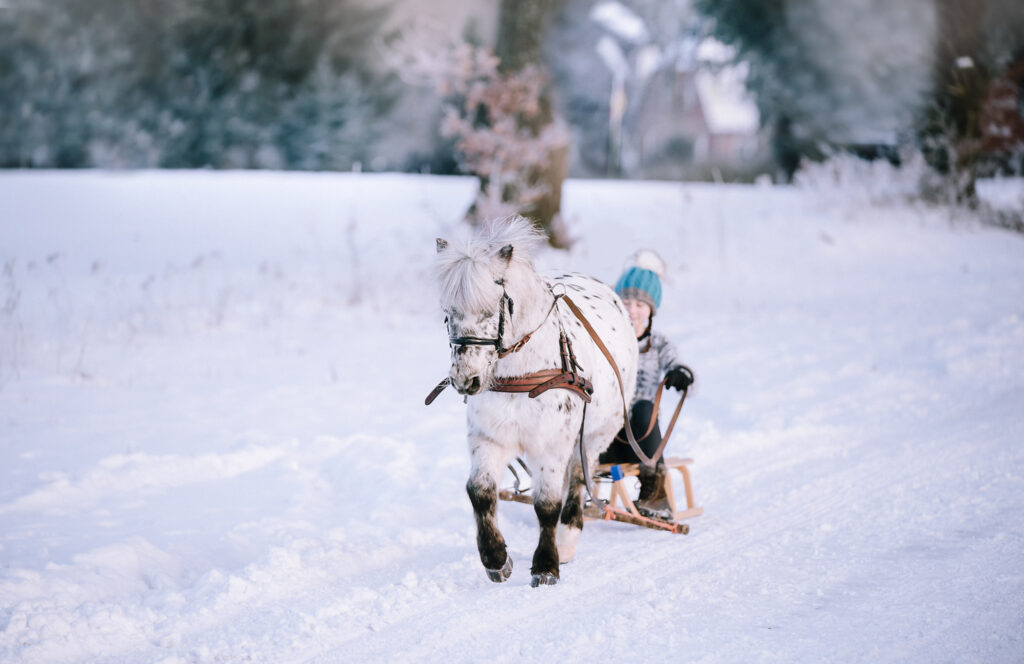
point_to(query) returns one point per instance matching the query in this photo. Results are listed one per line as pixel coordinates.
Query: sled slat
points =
(512, 496)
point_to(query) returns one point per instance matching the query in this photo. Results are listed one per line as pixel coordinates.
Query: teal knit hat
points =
(638, 283)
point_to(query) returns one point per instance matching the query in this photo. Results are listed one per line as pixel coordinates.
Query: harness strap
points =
(437, 390)
(654, 419)
(539, 382)
(588, 481)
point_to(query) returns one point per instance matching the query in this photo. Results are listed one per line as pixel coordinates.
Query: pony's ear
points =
(506, 253)
(441, 245)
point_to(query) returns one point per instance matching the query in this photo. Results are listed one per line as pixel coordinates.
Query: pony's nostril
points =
(474, 384)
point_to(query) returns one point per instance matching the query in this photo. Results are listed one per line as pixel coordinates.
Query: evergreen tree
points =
(828, 74)
(190, 83)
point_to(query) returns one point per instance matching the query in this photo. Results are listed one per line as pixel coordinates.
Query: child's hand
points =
(679, 378)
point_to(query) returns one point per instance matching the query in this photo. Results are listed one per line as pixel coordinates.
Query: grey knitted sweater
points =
(657, 356)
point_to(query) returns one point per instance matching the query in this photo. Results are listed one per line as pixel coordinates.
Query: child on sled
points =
(640, 290)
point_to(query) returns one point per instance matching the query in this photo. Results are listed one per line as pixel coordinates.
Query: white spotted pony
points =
(527, 366)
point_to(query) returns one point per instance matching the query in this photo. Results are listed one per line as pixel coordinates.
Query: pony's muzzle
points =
(471, 385)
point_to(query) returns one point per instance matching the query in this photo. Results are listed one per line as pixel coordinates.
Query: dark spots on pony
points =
(481, 495)
(572, 510)
(578, 289)
(547, 512)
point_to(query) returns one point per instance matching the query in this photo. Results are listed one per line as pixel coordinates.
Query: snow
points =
(612, 56)
(620, 20)
(1004, 193)
(728, 107)
(713, 51)
(216, 448)
(722, 89)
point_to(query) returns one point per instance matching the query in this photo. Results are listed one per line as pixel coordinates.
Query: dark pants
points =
(639, 419)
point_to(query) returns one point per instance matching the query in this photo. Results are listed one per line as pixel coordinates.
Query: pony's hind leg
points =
(482, 488)
(571, 522)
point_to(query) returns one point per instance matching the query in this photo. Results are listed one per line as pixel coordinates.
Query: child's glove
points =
(679, 378)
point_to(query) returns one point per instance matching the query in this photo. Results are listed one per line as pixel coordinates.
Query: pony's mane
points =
(464, 267)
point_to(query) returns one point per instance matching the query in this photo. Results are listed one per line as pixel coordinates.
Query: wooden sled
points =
(620, 506)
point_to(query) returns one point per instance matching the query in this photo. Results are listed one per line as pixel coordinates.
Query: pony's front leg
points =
(488, 465)
(547, 503)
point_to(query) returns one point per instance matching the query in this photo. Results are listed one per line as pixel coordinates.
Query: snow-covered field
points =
(216, 450)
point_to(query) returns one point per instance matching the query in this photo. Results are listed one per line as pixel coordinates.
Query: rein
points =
(654, 419)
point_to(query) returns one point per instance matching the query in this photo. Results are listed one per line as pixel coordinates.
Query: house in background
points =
(696, 119)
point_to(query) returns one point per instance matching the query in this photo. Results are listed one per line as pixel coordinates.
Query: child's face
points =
(639, 313)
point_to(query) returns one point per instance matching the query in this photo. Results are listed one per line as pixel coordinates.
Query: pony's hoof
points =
(501, 575)
(543, 579)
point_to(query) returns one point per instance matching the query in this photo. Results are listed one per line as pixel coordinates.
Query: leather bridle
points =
(506, 302)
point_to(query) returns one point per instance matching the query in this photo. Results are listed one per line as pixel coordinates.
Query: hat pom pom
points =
(648, 259)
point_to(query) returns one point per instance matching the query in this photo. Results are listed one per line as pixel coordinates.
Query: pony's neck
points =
(533, 315)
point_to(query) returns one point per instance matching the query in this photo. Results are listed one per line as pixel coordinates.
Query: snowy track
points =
(211, 407)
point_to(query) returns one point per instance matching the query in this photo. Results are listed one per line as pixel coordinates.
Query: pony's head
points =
(474, 278)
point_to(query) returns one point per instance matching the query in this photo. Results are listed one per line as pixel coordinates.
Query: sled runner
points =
(619, 506)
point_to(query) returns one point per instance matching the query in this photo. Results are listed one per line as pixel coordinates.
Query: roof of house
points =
(727, 106)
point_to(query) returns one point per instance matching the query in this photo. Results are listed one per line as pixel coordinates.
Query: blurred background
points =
(521, 93)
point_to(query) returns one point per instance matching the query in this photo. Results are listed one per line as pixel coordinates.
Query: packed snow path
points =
(216, 449)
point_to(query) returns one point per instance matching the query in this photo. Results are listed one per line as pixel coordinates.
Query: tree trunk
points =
(953, 131)
(522, 26)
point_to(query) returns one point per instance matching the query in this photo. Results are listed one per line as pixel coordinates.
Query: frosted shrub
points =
(190, 84)
(859, 181)
(493, 119)
(1001, 202)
